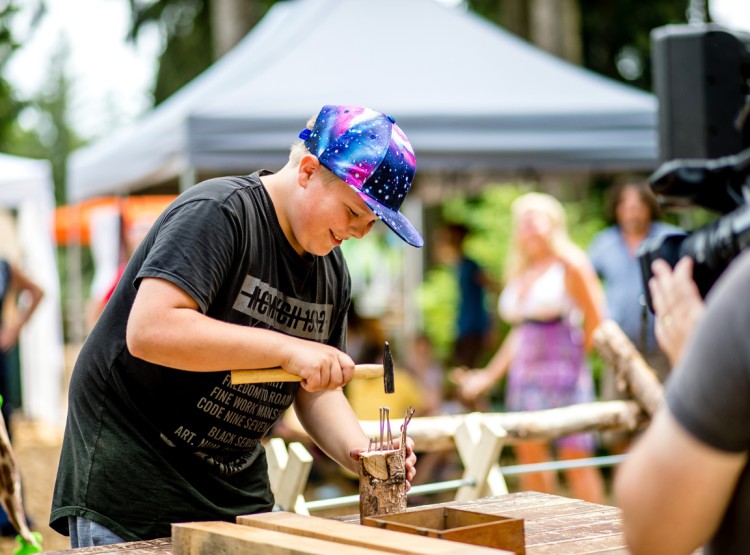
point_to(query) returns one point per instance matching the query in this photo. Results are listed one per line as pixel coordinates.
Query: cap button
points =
(391, 118)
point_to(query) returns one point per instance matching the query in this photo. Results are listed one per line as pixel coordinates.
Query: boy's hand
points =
(320, 366)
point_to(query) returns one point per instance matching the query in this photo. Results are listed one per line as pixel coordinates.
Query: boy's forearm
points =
(195, 342)
(331, 423)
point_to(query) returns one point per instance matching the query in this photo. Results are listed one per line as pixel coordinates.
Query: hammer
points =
(360, 371)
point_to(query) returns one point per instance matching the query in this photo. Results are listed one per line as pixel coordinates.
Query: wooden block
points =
(385, 541)
(382, 482)
(459, 526)
(225, 538)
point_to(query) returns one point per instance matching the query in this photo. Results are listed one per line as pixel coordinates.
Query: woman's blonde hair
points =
(559, 241)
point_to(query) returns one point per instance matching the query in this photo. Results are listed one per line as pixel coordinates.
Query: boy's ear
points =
(307, 166)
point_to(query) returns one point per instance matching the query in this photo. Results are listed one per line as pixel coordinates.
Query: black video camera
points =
(702, 82)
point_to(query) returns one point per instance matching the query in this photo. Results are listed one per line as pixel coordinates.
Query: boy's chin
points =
(320, 250)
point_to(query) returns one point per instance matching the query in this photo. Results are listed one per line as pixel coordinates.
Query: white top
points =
(545, 299)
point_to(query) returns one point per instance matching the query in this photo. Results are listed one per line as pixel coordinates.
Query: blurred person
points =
(472, 324)
(429, 373)
(554, 303)
(635, 212)
(238, 272)
(686, 482)
(13, 284)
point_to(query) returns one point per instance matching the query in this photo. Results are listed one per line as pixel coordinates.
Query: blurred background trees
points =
(609, 37)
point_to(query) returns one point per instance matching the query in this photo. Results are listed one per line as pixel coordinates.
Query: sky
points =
(112, 77)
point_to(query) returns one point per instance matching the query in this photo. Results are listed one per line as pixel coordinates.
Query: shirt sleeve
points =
(194, 248)
(708, 392)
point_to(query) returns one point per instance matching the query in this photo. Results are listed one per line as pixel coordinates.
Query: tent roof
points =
(25, 178)
(468, 94)
(26, 186)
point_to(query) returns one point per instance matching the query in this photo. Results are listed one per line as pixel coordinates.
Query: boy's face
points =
(327, 213)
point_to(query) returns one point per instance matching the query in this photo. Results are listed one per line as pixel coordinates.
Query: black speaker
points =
(701, 75)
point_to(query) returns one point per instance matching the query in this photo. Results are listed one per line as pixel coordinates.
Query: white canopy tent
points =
(469, 95)
(26, 186)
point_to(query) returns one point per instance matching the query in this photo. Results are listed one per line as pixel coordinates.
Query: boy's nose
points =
(360, 229)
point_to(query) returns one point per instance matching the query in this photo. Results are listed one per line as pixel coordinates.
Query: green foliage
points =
(10, 106)
(438, 300)
(613, 28)
(188, 38)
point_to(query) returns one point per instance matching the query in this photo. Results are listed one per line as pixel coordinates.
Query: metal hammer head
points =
(388, 385)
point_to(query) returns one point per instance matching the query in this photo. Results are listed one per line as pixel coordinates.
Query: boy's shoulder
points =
(220, 188)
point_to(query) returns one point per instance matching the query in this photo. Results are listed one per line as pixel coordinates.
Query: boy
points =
(239, 272)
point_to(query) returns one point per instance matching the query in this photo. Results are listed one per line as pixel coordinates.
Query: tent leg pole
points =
(413, 274)
(188, 178)
(75, 308)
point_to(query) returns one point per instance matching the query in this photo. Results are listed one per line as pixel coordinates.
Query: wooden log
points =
(10, 487)
(382, 475)
(382, 483)
(386, 541)
(436, 433)
(634, 376)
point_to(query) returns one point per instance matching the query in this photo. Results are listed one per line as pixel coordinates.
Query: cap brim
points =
(393, 219)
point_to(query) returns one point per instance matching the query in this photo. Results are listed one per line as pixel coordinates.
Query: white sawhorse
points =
(479, 445)
(288, 471)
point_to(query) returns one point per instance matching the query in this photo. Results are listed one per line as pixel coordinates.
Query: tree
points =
(10, 106)
(188, 27)
(614, 34)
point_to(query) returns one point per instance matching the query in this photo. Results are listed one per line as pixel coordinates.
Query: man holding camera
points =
(686, 483)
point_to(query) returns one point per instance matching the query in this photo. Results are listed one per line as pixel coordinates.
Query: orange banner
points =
(72, 220)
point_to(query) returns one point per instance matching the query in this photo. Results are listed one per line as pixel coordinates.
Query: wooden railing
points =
(479, 437)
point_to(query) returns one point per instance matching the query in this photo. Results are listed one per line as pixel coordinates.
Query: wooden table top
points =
(553, 525)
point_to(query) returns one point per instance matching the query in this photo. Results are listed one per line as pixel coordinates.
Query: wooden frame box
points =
(457, 525)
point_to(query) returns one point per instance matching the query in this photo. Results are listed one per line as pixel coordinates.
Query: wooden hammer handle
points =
(264, 375)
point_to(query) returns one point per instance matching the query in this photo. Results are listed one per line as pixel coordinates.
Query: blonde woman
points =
(554, 302)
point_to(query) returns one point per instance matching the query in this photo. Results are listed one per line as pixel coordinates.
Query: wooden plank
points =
(551, 511)
(162, 546)
(604, 544)
(386, 541)
(224, 538)
(577, 521)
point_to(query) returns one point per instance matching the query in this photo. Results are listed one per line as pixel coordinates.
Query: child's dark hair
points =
(456, 232)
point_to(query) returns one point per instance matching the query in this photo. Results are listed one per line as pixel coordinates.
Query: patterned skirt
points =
(550, 370)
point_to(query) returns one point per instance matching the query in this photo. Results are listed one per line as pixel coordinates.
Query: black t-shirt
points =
(146, 445)
(709, 393)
